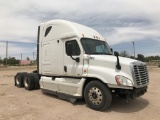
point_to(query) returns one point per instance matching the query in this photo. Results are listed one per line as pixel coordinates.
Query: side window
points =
(75, 47)
(47, 31)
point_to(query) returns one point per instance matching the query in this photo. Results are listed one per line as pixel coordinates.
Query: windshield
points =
(93, 46)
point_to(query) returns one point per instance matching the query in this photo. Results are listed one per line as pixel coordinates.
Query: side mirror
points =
(69, 49)
(118, 66)
(116, 53)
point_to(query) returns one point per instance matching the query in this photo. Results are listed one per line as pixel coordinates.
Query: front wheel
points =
(97, 95)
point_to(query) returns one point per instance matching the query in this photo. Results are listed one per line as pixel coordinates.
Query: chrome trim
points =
(138, 64)
(119, 86)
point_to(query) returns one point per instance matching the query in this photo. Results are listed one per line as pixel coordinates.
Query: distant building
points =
(25, 62)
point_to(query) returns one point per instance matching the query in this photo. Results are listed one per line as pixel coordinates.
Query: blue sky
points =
(120, 21)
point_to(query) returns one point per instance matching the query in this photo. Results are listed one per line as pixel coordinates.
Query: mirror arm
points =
(118, 66)
(76, 59)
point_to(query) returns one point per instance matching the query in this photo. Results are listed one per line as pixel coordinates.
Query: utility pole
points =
(33, 56)
(21, 56)
(21, 59)
(6, 52)
(133, 48)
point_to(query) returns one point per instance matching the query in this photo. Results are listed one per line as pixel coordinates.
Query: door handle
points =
(65, 68)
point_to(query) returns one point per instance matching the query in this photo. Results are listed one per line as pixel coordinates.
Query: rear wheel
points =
(97, 95)
(19, 79)
(36, 80)
(29, 81)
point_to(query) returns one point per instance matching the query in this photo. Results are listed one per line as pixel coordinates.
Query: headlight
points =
(121, 80)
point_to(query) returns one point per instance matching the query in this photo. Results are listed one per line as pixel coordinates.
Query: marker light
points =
(121, 80)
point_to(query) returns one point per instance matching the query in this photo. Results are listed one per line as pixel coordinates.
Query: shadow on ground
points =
(118, 104)
(123, 106)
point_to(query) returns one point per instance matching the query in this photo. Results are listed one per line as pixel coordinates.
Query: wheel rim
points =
(17, 80)
(95, 96)
(26, 82)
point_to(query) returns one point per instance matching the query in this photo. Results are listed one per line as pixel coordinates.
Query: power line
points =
(19, 42)
(139, 47)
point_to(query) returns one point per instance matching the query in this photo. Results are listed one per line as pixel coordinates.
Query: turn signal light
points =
(117, 80)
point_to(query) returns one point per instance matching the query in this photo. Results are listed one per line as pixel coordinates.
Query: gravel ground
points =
(19, 104)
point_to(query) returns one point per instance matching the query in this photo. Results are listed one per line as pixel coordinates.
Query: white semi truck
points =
(75, 61)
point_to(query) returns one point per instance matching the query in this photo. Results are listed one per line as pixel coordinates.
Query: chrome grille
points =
(141, 74)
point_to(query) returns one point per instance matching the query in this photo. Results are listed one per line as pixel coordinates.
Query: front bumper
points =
(134, 93)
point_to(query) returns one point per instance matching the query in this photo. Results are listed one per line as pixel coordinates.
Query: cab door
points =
(71, 66)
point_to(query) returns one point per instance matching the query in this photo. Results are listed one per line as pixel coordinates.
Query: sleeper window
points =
(48, 30)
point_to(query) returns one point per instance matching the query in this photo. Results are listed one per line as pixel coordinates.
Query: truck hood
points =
(112, 59)
(104, 68)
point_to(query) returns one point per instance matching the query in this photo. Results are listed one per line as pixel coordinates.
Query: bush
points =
(12, 61)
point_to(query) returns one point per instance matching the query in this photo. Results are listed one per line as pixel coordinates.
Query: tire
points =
(29, 81)
(19, 78)
(36, 81)
(97, 95)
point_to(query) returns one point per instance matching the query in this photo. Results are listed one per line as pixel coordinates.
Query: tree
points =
(124, 54)
(1, 61)
(157, 57)
(140, 57)
(132, 57)
(11, 61)
(149, 58)
(28, 58)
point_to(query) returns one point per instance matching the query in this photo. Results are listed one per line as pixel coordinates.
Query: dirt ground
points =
(20, 104)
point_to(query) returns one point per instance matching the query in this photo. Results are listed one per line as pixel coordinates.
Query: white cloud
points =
(126, 34)
(118, 20)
